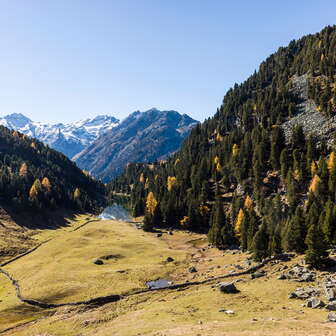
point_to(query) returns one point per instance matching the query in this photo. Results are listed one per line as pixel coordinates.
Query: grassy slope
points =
(62, 271)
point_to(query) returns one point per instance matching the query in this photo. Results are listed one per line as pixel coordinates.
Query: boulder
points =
(330, 293)
(228, 288)
(170, 259)
(98, 262)
(159, 235)
(331, 306)
(308, 276)
(332, 317)
(282, 277)
(192, 269)
(314, 303)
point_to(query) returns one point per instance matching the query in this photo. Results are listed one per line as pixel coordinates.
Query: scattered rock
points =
(257, 275)
(314, 303)
(170, 259)
(332, 317)
(228, 288)
(192, 269)
(98, 262)
(329, 288)
(170, 233)
(304, 293)
(159, 235)
(229, 312)
(331, 306)
(282, 277)
(300, 274)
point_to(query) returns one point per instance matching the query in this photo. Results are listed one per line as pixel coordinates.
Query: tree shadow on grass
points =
(40, 219)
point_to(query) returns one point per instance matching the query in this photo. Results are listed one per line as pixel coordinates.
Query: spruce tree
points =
(295, 233)
(316, 253)
(261, 243)
(277, 145)
(217, 223)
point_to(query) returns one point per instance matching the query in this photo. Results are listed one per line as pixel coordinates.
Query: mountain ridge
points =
(68, 138)
(141, 137)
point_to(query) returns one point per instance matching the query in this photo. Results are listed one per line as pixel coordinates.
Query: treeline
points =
(237, 177)
(33, 176)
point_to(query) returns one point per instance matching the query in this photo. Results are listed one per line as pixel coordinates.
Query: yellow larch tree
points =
(46, 184)
(171, 182)
(151, 203)
(235, 150)
(35, 190)
(248, 203)
(23, 170)
(313, 168)
(239, 222)
(314, 184)
(332, 163)
(77, 194)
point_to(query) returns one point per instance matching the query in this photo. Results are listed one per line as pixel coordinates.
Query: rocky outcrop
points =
(308, 116)
(298, 274)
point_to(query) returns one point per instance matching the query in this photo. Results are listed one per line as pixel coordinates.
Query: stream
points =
(115, 212)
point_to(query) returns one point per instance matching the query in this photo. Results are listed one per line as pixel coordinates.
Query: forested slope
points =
(247, 176)
(34, 177)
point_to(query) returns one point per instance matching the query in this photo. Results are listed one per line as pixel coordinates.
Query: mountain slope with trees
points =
(34, 177)
(244, 176)
(141, 137)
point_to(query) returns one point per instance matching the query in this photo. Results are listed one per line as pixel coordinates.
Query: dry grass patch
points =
(63, 270)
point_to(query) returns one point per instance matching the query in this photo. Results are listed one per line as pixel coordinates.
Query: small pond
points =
(160, 283)
(115, 212)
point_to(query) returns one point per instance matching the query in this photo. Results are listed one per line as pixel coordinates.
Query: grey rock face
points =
(313, 121)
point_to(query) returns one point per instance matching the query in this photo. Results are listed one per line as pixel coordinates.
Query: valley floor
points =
(62, 270)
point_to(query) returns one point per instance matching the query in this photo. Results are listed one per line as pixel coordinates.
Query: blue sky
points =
(64, 60)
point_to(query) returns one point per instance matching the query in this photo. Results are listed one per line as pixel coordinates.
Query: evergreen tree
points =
(295, 233)
(316, 253)
(277, 145)
(261, 243)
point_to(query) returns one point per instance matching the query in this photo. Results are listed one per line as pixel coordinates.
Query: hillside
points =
(261, 173)
(68, 139)
(35, 178)
(142, 137)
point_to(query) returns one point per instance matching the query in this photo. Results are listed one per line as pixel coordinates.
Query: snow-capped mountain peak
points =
(69, 138)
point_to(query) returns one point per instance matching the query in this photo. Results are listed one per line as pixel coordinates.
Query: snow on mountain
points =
(69, 139)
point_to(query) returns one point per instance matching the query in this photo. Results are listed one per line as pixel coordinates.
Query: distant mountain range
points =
(142, 137)
(69, 139)
(103, 145)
